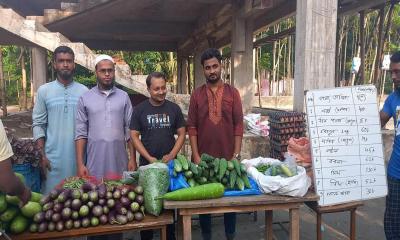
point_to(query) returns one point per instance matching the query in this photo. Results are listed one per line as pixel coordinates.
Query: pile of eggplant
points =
(89, 206)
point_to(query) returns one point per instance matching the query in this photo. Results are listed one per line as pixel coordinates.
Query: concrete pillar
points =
(315, 47)
(39, 69)
(182, 67)
(199, 78)
(242, 59)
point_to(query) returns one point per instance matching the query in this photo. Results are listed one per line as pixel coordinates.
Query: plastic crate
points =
(31, 174)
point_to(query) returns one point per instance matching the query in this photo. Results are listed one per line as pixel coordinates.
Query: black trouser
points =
(148, 234)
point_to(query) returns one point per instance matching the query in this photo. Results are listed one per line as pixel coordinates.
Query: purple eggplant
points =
(139, 199)
(117, 194)
(60, 226)
(57, 207)
(42, 227)
(121, 219)
(77, 224)
(39, 217)
(93, 196)
(48, 206)
(110, 203)
(102, 190)
(97, 211)
(45, 200)
(66, 213)
(85, 222)
(76, 204)
(69, 224)
(130, 216)
(102, 201)
(103, 219)
(138, 216)
(56, 217)
(51, 226)
(48, 214)
(87, 187)
(125, 201)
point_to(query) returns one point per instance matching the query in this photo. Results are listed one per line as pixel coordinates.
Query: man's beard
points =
(65, 75)
(212, 81)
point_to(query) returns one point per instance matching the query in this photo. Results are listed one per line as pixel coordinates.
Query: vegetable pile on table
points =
(232, 174)
(13, 218)
(83, 204)
(276, 170)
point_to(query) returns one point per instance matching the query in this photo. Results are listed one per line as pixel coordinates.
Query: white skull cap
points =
(103, 57)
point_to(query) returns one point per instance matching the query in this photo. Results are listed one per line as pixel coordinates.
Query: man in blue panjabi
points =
(54, 120)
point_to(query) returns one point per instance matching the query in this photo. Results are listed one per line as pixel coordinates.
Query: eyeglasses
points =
(106, 70)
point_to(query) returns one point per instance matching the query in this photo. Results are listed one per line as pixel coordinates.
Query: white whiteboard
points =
(346, 141)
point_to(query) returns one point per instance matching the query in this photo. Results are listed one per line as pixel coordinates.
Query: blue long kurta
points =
(54, 118)
(104, 121)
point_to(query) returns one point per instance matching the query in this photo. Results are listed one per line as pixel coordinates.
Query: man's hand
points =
(25, 197)
(132, 165)
(196, 158)
(82, 171)
(44, 166)
(167, 157)
(152, 159)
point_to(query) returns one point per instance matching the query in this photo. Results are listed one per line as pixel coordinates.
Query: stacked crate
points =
(284, 125)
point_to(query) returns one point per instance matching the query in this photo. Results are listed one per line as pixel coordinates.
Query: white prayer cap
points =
(103, 57)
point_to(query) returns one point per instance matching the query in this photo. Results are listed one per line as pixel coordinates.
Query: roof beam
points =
(274, 37)
(208, 24)
(118, 45)
(115, 29)
(357, 6)
(101, 14)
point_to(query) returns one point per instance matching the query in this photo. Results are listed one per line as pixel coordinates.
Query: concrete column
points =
(315, 47)
(242, 60)
(182, 65)
(199, 78)
(39, 69)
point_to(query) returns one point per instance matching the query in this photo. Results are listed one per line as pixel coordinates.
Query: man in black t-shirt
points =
(157, 120)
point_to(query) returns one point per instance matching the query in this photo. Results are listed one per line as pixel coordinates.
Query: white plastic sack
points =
(296, 186)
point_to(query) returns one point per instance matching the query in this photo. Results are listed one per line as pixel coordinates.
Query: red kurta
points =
(215, 118)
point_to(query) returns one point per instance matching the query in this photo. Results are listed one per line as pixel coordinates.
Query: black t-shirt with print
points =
(157, 126)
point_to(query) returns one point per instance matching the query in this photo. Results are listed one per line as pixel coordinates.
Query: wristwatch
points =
(237, 156)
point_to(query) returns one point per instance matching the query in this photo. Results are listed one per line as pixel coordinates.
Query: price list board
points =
(346, 140)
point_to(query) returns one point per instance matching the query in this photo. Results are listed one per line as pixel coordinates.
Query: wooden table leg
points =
(294, 219)
(319, 225)
(268, 224)
(163, 235)
(179, 227)
(187, 227)
(353, 224)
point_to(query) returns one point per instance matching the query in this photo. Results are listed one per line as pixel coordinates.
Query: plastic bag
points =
(254, 190)
(296, 186)
(154, 179)
(300, 148)
(177, 182)
(290, 162)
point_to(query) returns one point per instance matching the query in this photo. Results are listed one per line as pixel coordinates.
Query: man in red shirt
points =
(215, 126)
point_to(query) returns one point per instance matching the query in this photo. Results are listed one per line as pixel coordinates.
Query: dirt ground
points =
(19, 122)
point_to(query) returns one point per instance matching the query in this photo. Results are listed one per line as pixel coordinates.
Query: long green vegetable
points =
(206, 191)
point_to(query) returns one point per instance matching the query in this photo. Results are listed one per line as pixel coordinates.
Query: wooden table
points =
(149, 222)
(263, 202)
